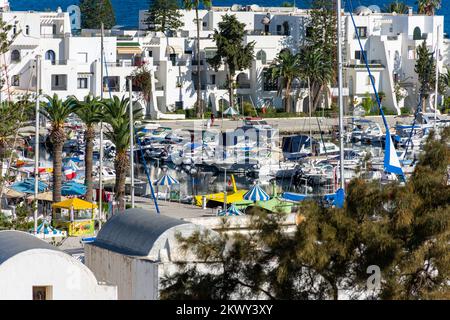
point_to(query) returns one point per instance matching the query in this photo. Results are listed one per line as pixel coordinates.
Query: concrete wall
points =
(135, 279)
(69, 278)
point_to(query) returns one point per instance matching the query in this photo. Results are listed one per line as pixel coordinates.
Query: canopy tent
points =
(75, 204)
(275, 205)
(230, 112)
(72, 188)
(11, 193)
(27, 186)
(256, 193)
(166, 180)
(78, 224)
(231, 211)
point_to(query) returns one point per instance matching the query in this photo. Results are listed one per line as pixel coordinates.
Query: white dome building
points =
(135, 249)
(32, 269)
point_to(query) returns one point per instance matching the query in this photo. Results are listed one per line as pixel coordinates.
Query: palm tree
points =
(428, 7)
(57, 111)
(315, 70)
(397, 7)
(285, 70)
(116, 115)
(90, 112)
(189, 5)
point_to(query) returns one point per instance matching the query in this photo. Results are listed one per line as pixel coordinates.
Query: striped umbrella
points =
(166, 180)
(231, 211)
(256, 194)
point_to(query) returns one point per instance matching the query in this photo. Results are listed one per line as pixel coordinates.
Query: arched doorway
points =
(50, 56)
(417, 34)
(15, 56)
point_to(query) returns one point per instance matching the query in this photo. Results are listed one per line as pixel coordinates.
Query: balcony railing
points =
(244, 86)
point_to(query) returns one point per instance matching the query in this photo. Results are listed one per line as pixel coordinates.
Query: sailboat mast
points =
(437, 79)
(100, 184)
(36, 143)
(341, 100)
(130, 88)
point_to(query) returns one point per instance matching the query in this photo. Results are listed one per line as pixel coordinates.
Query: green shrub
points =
(405, 111)
(249, 110)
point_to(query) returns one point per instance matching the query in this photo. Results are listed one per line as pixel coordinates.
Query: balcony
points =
(243, 85)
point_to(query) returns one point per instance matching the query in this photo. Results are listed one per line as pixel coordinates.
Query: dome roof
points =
(14, 242)
(135, 232)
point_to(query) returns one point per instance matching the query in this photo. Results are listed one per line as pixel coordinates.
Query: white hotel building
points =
(71, 60)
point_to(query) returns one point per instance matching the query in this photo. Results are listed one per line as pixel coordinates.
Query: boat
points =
(217, 199)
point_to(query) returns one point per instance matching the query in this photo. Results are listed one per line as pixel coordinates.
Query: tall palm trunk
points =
(58, 138)
(199, 110)
(88, 161)
(287, 97)
(231, 89)
(121, 165)
(423, 102)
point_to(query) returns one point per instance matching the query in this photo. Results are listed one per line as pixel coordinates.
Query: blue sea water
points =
(127, 10)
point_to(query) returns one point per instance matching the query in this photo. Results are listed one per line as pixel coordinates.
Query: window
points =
(15, 56)
(50, 56)
(360, 56)
(111, 83)
(82, 83)
(54, 29)
(59, 82)
(286, 29)
(15, 81)
(15, 29)
(205, 24)
(213, 79)
(362, 32)
(173, 58)
(417, 34)
(266, 29)
(27, 30)
(270, 84)
(150, 54)
(262, 56)
(42, 292)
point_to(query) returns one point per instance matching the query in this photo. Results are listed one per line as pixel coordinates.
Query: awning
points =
(85, 74)
(129, 50)
(76, 204)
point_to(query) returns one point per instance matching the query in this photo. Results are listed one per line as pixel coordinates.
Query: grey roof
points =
(134, 231)
(15, 242)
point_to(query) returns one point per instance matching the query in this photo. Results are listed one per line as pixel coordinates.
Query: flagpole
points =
(341, 100)
(36, 144)
(130, 82)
